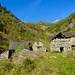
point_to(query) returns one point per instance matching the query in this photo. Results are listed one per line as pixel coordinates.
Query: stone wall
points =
(4, 56)
(72, 41)
(57, 44)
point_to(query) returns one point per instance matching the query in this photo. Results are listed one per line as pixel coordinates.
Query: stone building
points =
(12, 48)
(38, 46)
(14, 45)
(63, 42)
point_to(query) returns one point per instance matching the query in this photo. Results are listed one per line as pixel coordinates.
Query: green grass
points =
(40, 66)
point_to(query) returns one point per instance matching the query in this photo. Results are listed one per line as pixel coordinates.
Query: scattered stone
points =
(53, 57)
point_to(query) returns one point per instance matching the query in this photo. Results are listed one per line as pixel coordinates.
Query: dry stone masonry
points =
(38, 46)
(63, 42)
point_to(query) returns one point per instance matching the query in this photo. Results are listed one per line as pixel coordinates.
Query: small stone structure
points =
(14, 45)
(12, 48)
(63, 42)
(38, 46)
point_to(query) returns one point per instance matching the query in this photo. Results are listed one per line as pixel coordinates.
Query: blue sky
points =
(40, 10)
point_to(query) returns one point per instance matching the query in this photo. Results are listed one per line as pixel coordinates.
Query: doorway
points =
(11, 52)
(61, 49)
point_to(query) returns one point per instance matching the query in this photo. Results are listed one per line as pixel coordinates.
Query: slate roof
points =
(69, 34)
(65, 35)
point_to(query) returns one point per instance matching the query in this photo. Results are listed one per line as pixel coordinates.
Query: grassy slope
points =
(41, 66)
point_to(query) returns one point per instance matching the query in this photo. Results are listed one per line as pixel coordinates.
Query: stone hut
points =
(14, 45)
(12, 48)
(38, 46)
(63, 42)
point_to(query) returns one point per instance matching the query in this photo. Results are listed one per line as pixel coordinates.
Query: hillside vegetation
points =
(64, 25)
(11, 28)
(45, 63)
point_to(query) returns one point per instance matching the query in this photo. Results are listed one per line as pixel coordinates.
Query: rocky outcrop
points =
(26, 54)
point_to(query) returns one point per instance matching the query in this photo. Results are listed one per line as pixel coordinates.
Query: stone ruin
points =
(25, 45)
(12, 48)
(38, 46)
